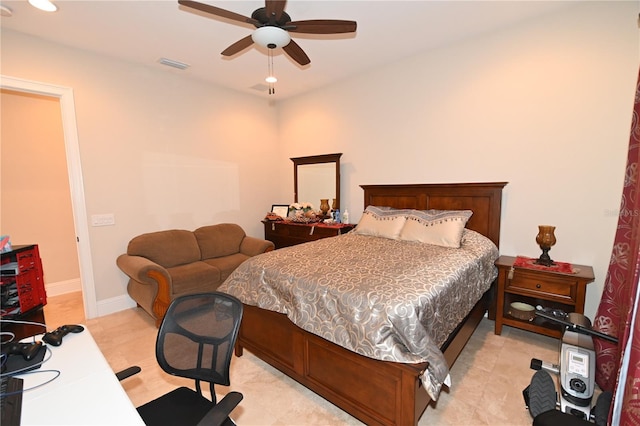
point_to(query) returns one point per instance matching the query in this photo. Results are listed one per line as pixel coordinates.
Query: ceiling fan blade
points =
(275, 8)
(296, 53)
(238, 46)
(322, 26)
(218, 12)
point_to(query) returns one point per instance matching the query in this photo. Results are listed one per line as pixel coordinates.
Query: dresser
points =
(554, 290)
(285, 234)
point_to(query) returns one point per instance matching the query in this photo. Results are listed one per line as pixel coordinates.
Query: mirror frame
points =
(317, 159)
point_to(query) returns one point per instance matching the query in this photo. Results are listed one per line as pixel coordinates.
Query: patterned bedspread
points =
(385, 299)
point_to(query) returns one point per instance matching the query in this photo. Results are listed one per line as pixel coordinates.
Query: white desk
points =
(87, 391)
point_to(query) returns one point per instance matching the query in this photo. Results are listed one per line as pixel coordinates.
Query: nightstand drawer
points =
(549, 287)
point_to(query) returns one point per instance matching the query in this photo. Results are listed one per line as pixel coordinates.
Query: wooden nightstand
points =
(537, 287)
(285, 234)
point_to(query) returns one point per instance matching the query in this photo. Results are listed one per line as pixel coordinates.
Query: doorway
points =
(74, 170)
(35, 200)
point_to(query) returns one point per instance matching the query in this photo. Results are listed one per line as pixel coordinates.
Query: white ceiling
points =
(143, 31)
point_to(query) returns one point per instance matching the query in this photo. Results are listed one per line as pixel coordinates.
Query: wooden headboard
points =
(484, 199)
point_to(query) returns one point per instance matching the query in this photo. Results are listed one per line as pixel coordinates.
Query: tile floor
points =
(487, 379)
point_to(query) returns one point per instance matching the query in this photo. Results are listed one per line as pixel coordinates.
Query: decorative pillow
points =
(439, 227)
(382, 222)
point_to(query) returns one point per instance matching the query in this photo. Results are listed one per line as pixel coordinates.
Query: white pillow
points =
(382, 222)
(439, 227)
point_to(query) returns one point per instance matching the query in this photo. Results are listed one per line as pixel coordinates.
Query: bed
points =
(375, 391)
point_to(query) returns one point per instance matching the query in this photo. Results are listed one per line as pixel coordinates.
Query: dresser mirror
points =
(317, 177)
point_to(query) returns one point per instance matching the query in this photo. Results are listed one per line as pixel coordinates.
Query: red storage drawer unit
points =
(21, 281)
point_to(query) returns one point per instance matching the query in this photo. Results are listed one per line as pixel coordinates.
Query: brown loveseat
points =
(166, 264)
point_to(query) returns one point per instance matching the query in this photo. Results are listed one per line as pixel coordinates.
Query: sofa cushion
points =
(227, 264)
(219, 240)
(166, 248)
(194, 277)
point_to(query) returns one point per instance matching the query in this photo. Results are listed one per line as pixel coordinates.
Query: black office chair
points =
(196, 340)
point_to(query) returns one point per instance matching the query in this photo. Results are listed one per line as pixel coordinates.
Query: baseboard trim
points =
(104, 307)
(115, 304)
(63, 287)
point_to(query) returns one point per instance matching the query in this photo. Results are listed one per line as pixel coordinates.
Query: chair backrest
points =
(197, 336)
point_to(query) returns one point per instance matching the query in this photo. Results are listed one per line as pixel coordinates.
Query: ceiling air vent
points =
(260, 87)
(174, 64)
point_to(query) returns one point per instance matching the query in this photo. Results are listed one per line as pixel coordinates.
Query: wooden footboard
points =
(375, 392)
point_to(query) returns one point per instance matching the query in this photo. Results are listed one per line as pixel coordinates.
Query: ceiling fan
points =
(273, 26)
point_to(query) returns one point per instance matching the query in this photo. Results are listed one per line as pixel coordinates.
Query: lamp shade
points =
(271, 37)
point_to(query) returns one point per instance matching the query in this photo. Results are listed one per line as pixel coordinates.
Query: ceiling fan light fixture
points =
(271, 37)
(271, 79)
(44, 5)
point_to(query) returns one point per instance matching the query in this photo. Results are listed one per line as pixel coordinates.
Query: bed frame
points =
(375, 392)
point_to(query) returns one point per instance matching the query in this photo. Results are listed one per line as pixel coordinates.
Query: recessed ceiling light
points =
(5, 11)
(45, 5)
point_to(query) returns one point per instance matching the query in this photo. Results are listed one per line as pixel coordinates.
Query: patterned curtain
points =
(615, 312)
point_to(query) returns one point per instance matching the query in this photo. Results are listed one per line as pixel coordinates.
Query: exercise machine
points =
(575, 375)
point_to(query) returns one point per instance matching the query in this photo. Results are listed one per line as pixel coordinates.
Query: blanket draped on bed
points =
(385, 299)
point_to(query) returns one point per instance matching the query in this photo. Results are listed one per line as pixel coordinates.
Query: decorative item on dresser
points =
(374, 391)
(545, 239)
(287, 233)
(280, 210)
(521, 281)
(324, 206)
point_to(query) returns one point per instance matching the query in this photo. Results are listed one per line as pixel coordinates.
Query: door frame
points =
(76, 185)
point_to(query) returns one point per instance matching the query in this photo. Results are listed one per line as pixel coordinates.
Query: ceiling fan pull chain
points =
(271, 78)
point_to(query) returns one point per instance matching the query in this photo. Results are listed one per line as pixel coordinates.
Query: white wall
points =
(158, 150)
(545, 106)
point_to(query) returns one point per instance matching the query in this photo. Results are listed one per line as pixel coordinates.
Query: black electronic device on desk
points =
(10, 400)
(18, 357)
(55, 337)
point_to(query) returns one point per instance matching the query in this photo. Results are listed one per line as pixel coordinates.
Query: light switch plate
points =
(103, 219)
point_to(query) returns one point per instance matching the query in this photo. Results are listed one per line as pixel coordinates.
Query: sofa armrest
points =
(145, 271)
(252, 246)
(138, 268)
